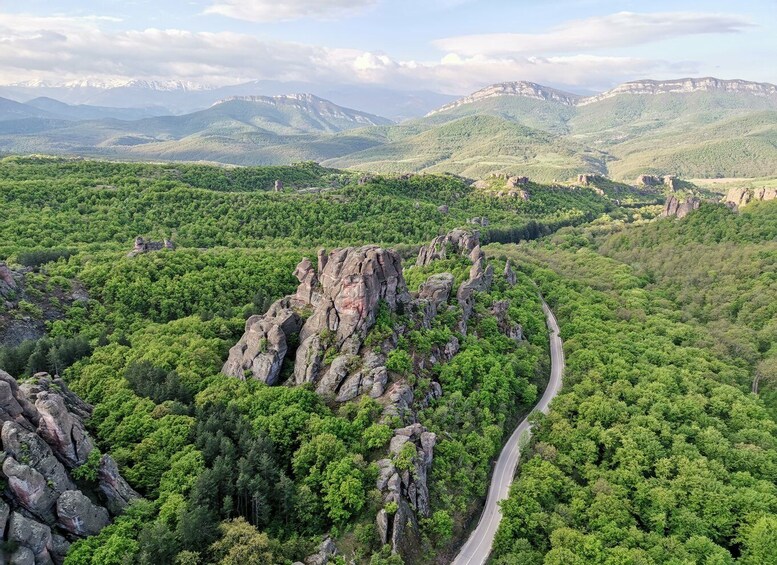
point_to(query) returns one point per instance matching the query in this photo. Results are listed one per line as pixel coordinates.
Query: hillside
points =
(334, 366)
(700, 128)
(668, 327)
(475, 146)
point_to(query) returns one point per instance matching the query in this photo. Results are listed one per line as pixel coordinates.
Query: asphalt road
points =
(478, 546)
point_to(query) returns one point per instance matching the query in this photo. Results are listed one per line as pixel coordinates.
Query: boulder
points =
(434, 294)
(30, 489)
(263, 347)
(79, 516)
(649, 180)
(326, 550)
(114, 489)
(61, 430)
(142, 245)
(23, 556)
(382, 523)
(29, 449)
(30, 534)
(338, 371)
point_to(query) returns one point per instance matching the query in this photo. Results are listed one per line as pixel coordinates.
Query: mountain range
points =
(694, 127)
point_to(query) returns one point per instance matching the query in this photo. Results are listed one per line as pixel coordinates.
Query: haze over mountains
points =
(703, 127)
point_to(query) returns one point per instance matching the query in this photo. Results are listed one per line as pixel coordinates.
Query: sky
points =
(450, 46)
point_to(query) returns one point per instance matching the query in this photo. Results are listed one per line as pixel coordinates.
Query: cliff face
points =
(331, 316)
(738, 197)
(685, 86)
(677, 209)
(521, 88)
(44, 508)
(639, 87)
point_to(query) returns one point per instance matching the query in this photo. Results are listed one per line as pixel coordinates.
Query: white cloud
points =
(280, 10)
(63, 49)
(600, 32)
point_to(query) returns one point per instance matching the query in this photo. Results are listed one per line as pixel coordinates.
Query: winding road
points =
(478, 546)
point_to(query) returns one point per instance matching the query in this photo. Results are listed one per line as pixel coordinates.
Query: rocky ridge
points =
(329, 318)
(738, 197)
(311, 104)
(44, 507)
(535, 91)
(523, 89)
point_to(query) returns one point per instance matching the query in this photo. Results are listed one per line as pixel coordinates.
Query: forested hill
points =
(657, 450)
(694, 128)
(298, 361)
(443, 355)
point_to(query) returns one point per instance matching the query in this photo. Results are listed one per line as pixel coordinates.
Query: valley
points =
(692, 128)
(322, 364)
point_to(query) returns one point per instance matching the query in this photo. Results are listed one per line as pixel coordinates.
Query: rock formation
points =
(402, 480)
(457, 241)
(329, 319)
(8, 284)
(344, 294)
(513, 182)
(145, 246)
(278, 186)
(44, 439)
(675, 208)
(649, 180)
(263, 346)
(738, 197)
(588, 178)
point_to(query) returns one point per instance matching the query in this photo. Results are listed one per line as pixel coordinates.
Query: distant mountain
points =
(63, 111)
(240, 130)
(521, 89)
(703, 127)
(11, 110)
(185, 97)
(700, 128)
(524, 89)
(685, 86)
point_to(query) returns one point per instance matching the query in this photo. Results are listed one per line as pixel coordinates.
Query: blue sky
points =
(453, 46)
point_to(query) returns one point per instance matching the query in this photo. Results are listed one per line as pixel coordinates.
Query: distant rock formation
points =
(278, 186)
(44, 439)
(674, 208)
(684, 86)
(523, 89)
(457, 241)
(738, 197)
(588, 179)
(146, 246)
(478, 221)
(671, 182)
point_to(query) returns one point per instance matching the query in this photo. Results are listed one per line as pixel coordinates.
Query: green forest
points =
(656, 451)
(660, 448)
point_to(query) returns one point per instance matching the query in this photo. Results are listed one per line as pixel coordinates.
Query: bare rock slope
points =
(43, 509)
